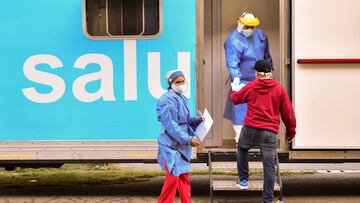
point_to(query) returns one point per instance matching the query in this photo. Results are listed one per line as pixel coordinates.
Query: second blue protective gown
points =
(178, 128)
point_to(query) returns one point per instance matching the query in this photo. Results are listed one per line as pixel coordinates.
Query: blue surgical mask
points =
(247, 32)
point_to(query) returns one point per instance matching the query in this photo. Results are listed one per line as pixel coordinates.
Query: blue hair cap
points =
(172, 75)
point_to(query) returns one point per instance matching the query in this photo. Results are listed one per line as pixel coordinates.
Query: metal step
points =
(230, 185)
(232, 166)
(223, 167)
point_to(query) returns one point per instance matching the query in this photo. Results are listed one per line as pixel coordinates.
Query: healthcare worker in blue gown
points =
(243, 48)
(176, 138)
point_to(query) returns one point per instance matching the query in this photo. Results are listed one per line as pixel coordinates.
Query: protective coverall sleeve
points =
(288, 116)
(165, 110)
(194, 122)
(233, 59)
(267, 55)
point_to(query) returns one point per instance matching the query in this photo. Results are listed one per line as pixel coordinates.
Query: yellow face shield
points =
(249, 21)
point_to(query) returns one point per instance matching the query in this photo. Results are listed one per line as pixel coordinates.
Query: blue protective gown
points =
(241, 54)
(178, 128)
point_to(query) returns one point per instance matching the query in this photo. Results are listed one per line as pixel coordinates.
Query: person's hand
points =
(236, 87)
(291, 140)
(195, 142)
(200, 117)
(236, 80)
(235, 84)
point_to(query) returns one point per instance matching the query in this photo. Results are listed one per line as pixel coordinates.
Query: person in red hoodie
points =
(266, 100)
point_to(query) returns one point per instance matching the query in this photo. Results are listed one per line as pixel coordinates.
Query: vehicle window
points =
(122, 18)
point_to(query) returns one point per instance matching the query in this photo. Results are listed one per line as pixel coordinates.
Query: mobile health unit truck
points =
(81, 78)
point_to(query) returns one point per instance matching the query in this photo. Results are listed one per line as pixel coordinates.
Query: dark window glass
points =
(122, 17)
(125, 17)
(152, 17)
(96, 17)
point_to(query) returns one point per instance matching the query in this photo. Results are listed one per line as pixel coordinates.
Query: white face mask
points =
(247, 32)
(180, 88)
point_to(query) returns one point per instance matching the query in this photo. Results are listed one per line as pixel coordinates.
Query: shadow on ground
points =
(297, 185)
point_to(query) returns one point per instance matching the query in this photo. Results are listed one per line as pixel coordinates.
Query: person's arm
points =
(239, 97)
(267, 55)
(233, 58)
(165, 109)
(194, 122)
(288, 116)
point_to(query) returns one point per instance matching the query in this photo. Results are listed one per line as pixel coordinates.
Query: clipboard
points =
(204, 127)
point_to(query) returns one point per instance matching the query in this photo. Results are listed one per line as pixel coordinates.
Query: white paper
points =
(204, 127)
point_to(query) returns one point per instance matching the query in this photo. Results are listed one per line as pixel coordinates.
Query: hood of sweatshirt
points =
(264, 86)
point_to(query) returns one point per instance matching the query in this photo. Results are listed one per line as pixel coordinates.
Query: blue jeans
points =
(267, 141)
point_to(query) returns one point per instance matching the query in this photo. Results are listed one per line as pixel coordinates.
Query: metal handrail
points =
(328, 60)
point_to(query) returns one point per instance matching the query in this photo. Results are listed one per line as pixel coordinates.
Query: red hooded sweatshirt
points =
(266, 100)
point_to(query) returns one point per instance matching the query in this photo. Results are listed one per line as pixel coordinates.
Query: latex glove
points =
(236, 80)
(236, 87)
(235, 84)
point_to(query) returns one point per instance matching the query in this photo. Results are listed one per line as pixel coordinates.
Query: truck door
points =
(219, 21)
(326, 73)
